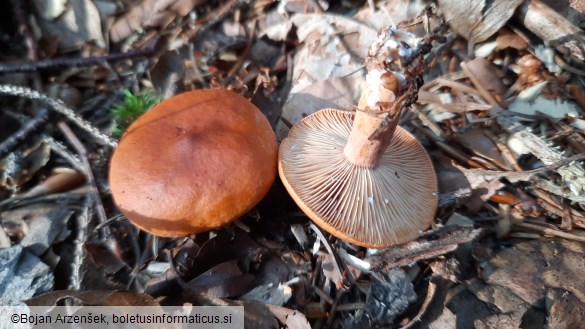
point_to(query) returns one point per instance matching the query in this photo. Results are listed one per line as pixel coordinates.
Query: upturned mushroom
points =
(359, 175)
(193, 163)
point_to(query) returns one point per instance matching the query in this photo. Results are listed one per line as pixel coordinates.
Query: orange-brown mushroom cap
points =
(371, 207)
(194, 162)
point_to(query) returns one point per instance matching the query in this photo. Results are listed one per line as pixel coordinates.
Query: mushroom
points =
(193, 163)
(357, 174)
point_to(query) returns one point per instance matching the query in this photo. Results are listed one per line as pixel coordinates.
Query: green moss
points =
(132, 107)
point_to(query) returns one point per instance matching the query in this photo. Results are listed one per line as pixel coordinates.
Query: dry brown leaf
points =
(330, 270)
(63, 179)
(78, 25)
(509, 39)
(333, 47)
(150, 13)
(477, 20)
(482, 145)
(338, 93)
(486, 72)
(389, 12)
(578, 94)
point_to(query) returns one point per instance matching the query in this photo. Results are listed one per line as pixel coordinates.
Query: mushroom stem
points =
(360, 150)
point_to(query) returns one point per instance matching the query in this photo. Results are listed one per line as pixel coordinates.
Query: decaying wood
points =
(514, 176)
(573, 174)
(553, 29)
(431, 246)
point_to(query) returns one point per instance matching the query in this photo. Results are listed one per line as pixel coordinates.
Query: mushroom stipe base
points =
(371, 207)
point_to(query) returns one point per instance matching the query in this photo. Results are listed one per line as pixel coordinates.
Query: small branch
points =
(515, 176)
(61, 150)
(82, 151)
(551, 232)
(32, 126)
(430, 246)
(69, 62)
(553, 29)
(59, 107)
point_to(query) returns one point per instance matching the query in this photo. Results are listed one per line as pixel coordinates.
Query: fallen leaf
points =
(389, 13)
(78, 25)
(150, 13)
(509, 39)
(487, 73)
(333, 47)
(337, 93)
(519, 269)
(62, 180)
(479, 143)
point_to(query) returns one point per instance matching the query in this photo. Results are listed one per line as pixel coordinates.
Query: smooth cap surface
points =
(195, 162)
(375, 208)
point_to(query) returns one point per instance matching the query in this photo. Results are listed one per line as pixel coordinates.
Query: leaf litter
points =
(504, 129)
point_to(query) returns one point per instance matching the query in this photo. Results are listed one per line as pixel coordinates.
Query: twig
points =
(515, 176)
(323, 295)
(331, 316)
(433, 245)
(82, 151)
(32, 126)
(79, 242)
(110, 221)
(60, 149)
(549, 231)
(69, 62)
(553, 29)
(504, 149)
(59, 107)
(350, 307)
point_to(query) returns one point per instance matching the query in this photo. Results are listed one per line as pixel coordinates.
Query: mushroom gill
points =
(372, 207)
